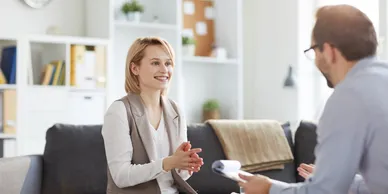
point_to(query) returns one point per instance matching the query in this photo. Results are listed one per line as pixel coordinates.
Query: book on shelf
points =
(8, 111)
(54, 73)
(3, 80)
(87, 66)
(8, 65)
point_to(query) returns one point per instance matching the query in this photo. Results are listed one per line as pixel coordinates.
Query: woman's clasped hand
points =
(184, 158)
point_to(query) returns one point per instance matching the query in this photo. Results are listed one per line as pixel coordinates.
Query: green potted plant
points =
(132, 10)
(188, 46)
(211, 110)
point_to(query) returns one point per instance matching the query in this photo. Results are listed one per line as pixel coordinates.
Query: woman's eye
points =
(155, 63)
(168, 64)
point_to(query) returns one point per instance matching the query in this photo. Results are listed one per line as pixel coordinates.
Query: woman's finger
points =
(182, 146)
(188, 147)
(194, 151)
(191, 159)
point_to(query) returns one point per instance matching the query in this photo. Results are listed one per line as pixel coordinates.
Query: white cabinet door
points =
(42, 108)
(85, 108)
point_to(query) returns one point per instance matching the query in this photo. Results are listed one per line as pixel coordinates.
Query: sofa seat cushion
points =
(74, 160)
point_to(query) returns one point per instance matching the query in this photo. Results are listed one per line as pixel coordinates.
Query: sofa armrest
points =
(22, 174)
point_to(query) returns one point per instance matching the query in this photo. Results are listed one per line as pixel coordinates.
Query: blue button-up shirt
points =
(352, 150)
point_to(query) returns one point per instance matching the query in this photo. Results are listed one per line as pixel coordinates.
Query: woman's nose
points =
(163, 68)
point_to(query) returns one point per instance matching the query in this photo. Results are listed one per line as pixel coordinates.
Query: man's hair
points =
(347, 29)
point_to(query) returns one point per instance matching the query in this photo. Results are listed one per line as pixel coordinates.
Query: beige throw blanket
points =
(258, 144)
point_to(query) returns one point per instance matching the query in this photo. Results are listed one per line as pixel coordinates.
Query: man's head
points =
(342, 35)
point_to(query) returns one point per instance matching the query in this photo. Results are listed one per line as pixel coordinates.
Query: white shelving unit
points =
(195, 79)
(38, 107)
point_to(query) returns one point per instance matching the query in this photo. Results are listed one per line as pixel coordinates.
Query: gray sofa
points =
(74, 162)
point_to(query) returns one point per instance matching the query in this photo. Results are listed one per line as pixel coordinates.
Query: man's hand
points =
(255, 184)
(305, 170)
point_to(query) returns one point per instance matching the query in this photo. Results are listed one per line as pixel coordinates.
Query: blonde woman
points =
(145, 133)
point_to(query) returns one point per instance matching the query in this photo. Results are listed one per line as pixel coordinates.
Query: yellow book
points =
(77, 56)
(47, 74)
(2, 78)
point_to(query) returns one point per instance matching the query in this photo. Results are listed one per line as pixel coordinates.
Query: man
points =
(353, 129)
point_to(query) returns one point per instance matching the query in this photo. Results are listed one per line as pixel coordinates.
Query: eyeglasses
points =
(310, 52)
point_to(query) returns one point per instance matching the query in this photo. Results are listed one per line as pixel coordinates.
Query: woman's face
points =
(155, 69)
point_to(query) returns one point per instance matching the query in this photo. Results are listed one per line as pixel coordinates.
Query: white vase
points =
(134, 16)
(188, 50)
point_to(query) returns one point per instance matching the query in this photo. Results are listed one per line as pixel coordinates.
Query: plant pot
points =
(134, 16)
(188, 50)
(211, 114)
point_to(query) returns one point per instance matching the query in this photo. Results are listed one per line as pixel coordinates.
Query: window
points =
(371, 9)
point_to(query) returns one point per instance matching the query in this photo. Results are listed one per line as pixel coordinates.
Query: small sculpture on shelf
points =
(211, 110)
(133, 10)
(219, 52)
(188, 46)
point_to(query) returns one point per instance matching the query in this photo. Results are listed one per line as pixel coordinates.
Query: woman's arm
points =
(119, 150)
(184, 174)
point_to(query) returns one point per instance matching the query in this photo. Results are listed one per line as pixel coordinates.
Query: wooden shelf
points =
(146, 25)
(7, 136)
(200, 59)
(7, 86)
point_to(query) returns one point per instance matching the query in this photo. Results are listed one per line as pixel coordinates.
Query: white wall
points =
(17, 18)
(272, 41)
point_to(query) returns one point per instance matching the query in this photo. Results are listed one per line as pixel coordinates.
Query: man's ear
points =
(328, 53)
(134, 69)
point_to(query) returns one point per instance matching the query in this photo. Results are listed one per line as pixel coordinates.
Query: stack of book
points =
(54, 73)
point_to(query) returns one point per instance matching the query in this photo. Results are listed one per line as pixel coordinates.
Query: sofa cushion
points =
(206, 181)
(74, 160)
(305, 142)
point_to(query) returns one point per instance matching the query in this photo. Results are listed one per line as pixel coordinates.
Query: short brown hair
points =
(346, 28)
(136, 54)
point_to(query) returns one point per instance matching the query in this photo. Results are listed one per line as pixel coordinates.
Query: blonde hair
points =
(136, 54)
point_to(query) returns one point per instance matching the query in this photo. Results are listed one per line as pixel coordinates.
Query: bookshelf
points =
(7, 94)
(101, 27)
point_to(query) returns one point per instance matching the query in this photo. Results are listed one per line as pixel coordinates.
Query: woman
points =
(144, 133)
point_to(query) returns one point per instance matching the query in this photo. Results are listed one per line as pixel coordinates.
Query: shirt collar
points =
(361, 64)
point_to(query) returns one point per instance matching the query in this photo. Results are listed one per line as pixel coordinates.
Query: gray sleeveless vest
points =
(140, 157)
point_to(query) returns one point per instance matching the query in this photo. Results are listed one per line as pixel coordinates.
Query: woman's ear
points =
(134, 68)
